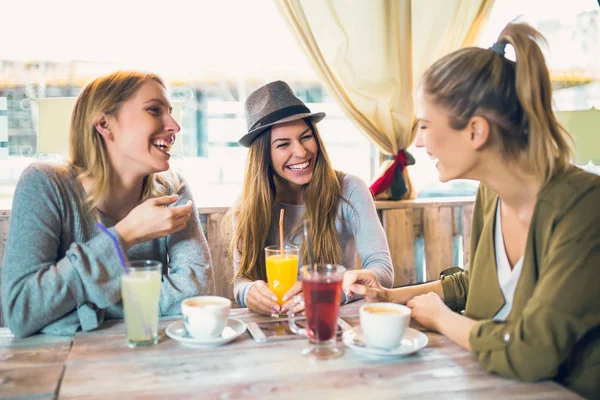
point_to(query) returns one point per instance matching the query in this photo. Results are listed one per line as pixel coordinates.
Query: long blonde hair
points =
(88, 154)
(253, 214)
(515, 98)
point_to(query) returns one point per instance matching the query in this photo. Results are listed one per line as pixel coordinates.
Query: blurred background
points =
(214, 53)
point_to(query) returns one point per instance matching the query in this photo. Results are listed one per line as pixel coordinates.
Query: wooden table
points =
(99, 365)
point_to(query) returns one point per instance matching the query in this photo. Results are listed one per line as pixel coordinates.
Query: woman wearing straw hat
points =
(288, 168)
(60, 272)
(530, 294)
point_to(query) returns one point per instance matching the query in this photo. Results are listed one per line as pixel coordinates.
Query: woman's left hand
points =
(296, 289)
(428, 309)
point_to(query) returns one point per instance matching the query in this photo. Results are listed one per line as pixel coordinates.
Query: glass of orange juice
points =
(282, 269)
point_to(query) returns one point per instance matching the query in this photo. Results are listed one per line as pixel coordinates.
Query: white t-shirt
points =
(506, 277)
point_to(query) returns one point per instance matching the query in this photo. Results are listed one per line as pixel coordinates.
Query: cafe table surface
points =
(99, 364)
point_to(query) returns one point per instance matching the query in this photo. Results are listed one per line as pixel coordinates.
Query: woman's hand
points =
(261, 299)
(428, 309)
(365, 283)
(296, 289)
(152, 220)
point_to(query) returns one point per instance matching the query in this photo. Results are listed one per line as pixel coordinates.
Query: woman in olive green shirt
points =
(530, 293)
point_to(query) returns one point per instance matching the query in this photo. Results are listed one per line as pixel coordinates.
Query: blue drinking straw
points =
(145, 327)
(116, 243)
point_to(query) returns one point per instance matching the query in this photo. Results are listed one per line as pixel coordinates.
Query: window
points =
(212, 54)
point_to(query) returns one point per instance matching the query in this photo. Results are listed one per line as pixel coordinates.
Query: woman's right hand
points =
(365, 283)
(261, 299)
(152, 219)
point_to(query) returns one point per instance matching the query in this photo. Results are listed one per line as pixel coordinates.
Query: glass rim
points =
(276, 247)
(330, 269)
(140, 265)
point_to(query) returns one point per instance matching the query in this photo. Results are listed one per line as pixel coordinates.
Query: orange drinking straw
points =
(281, 231)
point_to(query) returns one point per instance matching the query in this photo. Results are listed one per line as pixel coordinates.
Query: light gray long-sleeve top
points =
(61, 273)
(359, 232)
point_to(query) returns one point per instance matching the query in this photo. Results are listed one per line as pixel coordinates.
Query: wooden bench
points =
(425, 237)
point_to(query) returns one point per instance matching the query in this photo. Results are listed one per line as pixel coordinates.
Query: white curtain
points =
(369, 54)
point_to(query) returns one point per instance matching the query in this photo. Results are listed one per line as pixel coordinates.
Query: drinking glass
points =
(322, 290)
(140, 289)
(282, 269)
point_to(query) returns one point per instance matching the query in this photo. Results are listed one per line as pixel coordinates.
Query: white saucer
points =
(412, 341)
(234, 328)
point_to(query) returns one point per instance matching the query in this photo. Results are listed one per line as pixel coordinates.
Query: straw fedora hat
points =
(273, 103)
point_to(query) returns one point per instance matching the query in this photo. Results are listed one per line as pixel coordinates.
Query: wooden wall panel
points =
(222, 265)
(399, 226)
(407, 224)
(437, 229)
(467, 219)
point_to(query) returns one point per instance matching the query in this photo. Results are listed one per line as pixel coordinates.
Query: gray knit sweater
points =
(359, 232)
(61, 273)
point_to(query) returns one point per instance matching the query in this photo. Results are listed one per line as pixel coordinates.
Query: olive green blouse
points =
(553, 329)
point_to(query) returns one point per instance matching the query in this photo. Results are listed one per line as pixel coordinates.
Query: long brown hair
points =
(89, 156)
(253, 214)
(515, 98)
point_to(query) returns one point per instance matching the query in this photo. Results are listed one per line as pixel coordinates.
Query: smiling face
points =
(454, 150)
(141, 134)
(294, 152)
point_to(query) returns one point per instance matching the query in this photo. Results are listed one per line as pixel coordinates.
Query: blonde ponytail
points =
(549, 149)
(515, 97)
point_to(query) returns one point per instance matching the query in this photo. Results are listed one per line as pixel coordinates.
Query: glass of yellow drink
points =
(140, 289)
(282, 269)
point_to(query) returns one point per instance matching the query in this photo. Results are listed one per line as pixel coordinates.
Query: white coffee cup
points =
(383, 324)
(205, 317)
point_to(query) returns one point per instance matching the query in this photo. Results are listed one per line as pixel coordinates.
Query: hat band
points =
(279, 115)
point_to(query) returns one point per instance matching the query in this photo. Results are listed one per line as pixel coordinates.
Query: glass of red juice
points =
(322, 290)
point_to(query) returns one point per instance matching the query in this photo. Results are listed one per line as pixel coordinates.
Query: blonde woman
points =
(60, 273)
(288, 168)
(530, 293)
